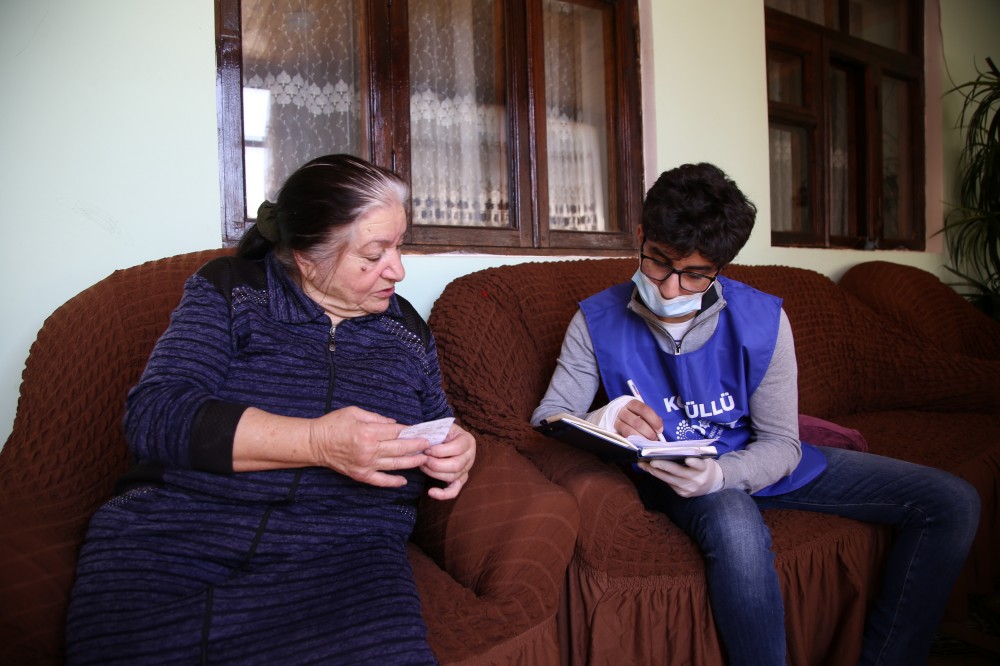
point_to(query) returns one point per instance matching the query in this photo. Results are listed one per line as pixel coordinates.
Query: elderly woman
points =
(267, 516)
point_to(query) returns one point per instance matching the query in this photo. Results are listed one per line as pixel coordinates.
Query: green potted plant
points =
(972, 229)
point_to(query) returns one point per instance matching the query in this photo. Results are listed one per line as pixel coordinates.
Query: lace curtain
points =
(458, 132)
(839, 200)
(308, 63)
(790, 162)
(458, 124)
(306, 57)
(782, 185)
(574, 97)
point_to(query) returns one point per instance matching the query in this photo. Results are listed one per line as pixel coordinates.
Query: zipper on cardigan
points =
(333, 371)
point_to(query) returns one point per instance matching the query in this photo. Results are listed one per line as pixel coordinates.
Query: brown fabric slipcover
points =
(910, 397)
(489, 565)
(920, 302)
(941, 320)
(636, 590)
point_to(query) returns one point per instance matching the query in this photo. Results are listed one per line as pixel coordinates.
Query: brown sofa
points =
(919, 302)
(636, 590)
(489, 565)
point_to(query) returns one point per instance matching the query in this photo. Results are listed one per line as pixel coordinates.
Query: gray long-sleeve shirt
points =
(774, 450)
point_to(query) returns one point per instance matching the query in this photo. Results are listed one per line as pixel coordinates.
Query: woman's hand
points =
(450, 462)
(364, 446)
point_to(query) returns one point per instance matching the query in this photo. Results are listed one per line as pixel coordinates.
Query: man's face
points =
(675, 275)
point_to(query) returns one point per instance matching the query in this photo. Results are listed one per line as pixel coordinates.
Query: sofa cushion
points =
(819, 432)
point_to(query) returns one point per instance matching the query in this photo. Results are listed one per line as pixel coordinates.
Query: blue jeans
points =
(934, 515)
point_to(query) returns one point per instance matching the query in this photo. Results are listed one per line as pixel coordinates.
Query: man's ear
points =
(638, 234)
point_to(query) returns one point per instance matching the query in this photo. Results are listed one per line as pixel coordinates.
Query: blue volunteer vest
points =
(704, 394)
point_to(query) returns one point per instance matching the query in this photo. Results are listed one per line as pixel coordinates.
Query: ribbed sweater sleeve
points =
(172, 415)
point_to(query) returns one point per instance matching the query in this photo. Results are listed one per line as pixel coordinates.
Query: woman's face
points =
(361, 278)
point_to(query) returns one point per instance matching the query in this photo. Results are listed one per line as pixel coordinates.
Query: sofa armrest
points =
(37, 563)
(508, 536)
(618, 534)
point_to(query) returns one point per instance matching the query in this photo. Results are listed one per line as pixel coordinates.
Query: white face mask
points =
(678, 306)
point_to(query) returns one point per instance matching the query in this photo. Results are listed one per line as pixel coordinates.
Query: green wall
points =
(108, 152)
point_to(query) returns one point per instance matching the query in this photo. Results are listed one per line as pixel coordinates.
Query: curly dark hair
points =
(698, 208)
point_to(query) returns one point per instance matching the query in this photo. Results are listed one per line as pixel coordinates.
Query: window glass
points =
(897, 161)
(256, 116)
(789, 178)
(784, 78)
(841, 191)
(300, 88)
(516, 123)
(882, 22)
(823, 12)
(576, 115)
(458, 118)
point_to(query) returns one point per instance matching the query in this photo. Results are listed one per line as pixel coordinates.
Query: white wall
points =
(107, 151)
(711, 105)
(108, 140)
(971, 33)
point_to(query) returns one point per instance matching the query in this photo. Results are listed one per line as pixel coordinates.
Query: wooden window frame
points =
(825, 48)
(386, 129)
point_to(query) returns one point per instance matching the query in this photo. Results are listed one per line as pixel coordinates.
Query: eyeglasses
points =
(689, 281)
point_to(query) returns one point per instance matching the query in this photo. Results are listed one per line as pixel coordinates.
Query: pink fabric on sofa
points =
(818, 432)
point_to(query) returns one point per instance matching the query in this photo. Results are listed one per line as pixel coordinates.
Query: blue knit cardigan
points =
(194, 563)
(244, 334)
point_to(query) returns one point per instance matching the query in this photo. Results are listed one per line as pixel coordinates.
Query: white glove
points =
(697, 476)
(606, 416)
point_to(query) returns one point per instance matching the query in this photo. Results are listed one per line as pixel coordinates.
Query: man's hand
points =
(637, 418)
(697, 476)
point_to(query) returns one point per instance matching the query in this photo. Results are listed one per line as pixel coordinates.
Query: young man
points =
(715, 358)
